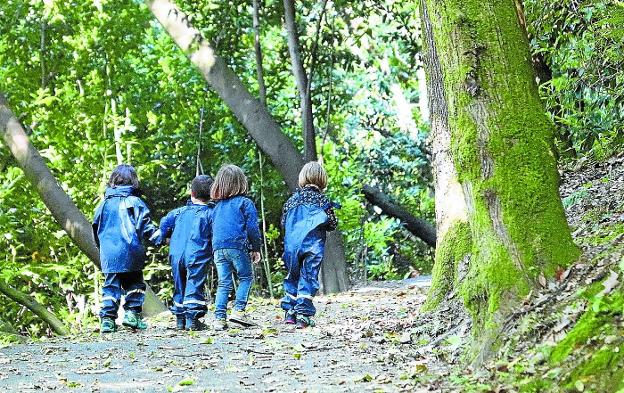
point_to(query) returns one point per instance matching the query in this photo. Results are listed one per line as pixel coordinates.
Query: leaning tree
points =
(500, 220)
(63, 209)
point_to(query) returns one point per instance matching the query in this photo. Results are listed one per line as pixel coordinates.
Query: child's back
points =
(190, 252)
(190, 232)
(121, 222)
(235, 225)
(306, 221)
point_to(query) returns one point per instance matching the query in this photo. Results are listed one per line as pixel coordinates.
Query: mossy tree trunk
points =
(495, 140)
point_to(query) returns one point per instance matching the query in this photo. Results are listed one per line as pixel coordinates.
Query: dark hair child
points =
(307, 216)
(121, 225)
(190, 253)
(235, 234)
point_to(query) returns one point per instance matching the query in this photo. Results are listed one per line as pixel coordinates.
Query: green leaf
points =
(186, 382)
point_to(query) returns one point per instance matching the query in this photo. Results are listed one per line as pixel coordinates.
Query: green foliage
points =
(579, 52)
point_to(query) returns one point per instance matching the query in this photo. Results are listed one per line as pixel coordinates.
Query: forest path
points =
(358, 345)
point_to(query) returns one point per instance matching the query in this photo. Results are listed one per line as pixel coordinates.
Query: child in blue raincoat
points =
(307, 216)
(121, 225)
(190, 253)
(236, 242)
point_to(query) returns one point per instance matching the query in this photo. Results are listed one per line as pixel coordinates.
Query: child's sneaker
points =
(107, 325)
(220, 324)
(134, 320)
(304, 321)
(290, 318)
(241, 318)
(195, 325)
(180, 323)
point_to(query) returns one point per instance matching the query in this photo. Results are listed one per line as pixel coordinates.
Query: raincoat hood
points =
(120, 191)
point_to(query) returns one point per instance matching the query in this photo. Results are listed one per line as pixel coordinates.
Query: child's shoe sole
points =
(241, 319)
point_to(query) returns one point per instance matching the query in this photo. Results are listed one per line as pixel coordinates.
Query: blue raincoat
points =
(305, 223)
(121, 224)
(190, 252)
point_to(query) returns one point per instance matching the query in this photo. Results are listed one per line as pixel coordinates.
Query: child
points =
(235, 233)
(121, 224)
(307, 216)
(190, 253)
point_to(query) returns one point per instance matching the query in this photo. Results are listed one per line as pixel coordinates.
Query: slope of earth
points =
(568, 335)
(357, 346)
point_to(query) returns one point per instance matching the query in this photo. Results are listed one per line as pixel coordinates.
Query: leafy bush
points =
(579, 49)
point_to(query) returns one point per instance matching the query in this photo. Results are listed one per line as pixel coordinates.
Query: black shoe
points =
(195, 325)
(180, 323)
(290, 318)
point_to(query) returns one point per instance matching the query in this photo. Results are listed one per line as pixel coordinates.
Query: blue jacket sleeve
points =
(167, 225)
(251, 225)
(96, 224)
(144, 226)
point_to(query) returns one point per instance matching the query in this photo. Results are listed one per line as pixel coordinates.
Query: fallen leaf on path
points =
(610, 283)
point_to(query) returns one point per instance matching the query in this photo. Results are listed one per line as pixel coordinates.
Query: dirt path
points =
(357, 346)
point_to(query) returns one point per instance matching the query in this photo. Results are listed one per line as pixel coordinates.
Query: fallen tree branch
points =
(23, 299)
(417, 226)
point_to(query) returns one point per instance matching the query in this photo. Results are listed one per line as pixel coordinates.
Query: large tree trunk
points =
(254, 116)
(23, 299)
(453, 236)
(301, 79)
(417, 226)
(58, 202)
(500, 148)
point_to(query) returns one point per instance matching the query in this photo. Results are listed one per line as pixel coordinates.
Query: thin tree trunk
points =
(58, 202)
(266, 266)
(254, 116)
(417, 226)
(23, 299)
(301, 78)
(258, 51)
(500, 146)
(42, 53)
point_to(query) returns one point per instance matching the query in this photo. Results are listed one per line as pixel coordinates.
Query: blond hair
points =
(230, 181)
(313, 173)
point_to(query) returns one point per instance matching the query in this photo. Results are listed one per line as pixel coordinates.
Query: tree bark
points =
(21, 298)
(453, 241)
(301, 79)
(417, 226)
(265, 267)
(500, 148)
(254, 116)
(58, 202)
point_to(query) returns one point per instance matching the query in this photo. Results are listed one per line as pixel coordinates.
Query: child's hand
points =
(255, 256)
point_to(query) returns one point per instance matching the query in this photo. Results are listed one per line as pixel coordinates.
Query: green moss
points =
(453, 247)
(535, 386)
(501, 143)
(598, 319)
(602, 368)
(603, 372)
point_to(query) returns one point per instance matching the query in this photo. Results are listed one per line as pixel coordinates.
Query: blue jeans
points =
(229, 260)
(117, 284)
(189, 279)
